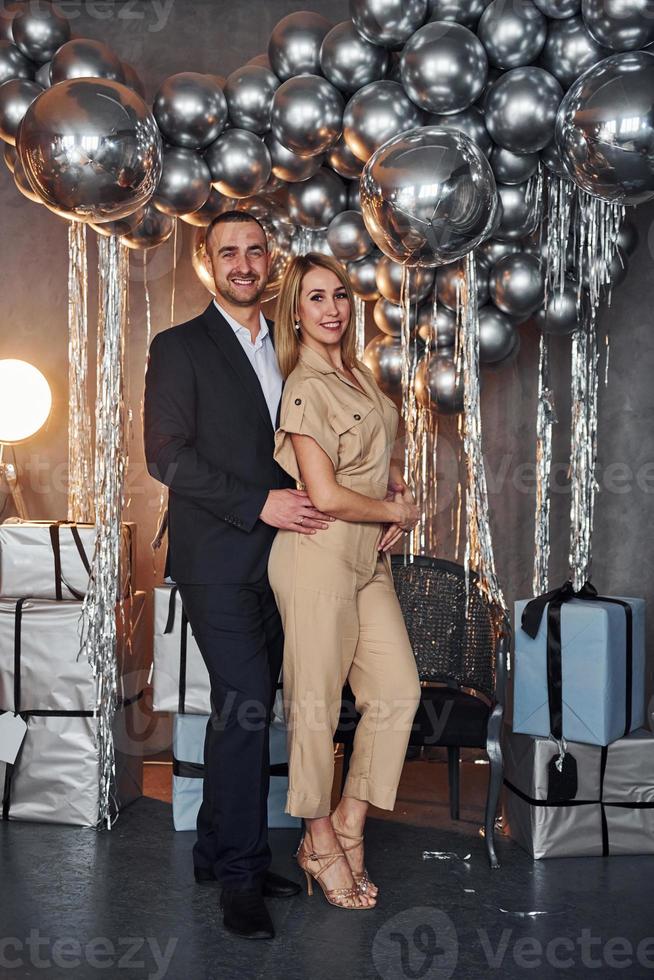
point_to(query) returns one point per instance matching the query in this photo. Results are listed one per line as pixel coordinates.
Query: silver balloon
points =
(84, 58)
(290, 166)
(385, 357)
(622, 25)
(190, 110)
(552, 159)
(42, 76)
(262, 60)
(307, 115)
(249, 92)
(496, 335)
(314, 203)
(16, 96)
(39, 30)
(10, 153)
(561, 316)
(123, 226)
(521, 109)
(513, 168)
(513, 33)
(389, 316)
(389, 281)
(133, 79)
(349, 61)
(570, 49)
(444, 67)
(348, 238)
(428, 197)
(558, 9)
(185, 182)
(517, 285)
(354, 196)
(465, 12)
(14, 64)
(439, 333)
(91, 149)
(519, 213)
(375, 114)
(618, 268)
(493, 250)
(450, 280)
(294, 47)
(470, 122)
(605, 129)
(388, 22)
(239, 162)
(154, 229)
(214, 205)
(363, 276)
(23, 184)
(628, 237)
(341, 159)
(438, 384)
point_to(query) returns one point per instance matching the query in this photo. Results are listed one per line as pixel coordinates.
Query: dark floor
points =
(75, 903)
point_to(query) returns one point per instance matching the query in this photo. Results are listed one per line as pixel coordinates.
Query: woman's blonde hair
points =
(287, 342)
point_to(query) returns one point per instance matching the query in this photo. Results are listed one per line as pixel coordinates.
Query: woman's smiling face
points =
(324, 311)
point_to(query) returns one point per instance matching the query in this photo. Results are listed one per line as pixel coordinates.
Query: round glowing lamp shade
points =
(25, 400)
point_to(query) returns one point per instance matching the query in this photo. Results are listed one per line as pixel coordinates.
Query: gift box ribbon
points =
(38, 713)
(601, 802)
(532, 615)
(195, 770)
(183, 648)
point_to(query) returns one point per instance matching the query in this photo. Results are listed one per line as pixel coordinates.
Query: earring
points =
(297, 324)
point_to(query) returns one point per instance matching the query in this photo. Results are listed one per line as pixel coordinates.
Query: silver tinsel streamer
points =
(80, 436)
(99, 610)
(546, 417)
(479, 555)
(360, 320)
(583, 448)
(409, 404)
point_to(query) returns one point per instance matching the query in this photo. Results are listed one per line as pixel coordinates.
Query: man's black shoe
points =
(245, 914)
(274, 886)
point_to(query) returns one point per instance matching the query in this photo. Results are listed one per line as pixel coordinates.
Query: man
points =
(212, 395)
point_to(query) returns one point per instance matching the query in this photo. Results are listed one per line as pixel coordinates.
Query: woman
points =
(334, 589)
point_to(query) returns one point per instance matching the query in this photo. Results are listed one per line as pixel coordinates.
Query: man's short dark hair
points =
(233, 218)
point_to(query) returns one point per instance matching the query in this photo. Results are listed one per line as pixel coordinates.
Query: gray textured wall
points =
(162, 38)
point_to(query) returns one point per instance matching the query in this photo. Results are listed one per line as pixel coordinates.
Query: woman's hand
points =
(406, 519)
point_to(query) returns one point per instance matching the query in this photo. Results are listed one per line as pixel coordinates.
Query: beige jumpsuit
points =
(342, 619)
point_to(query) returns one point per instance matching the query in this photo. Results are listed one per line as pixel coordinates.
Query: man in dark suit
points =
(212, 396)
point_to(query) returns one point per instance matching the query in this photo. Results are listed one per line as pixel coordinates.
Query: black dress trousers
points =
(239, 632)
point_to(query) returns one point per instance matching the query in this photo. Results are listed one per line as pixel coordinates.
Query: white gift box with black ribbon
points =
(180, 680)
(52, 559)
(47, 680)
(188, 772)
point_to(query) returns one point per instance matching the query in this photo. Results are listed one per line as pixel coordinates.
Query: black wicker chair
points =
(462, 666)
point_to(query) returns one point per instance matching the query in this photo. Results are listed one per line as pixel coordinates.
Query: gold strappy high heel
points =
(361, 878)
(341, 898)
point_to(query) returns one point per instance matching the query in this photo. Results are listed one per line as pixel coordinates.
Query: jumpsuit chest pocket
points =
(353, 427)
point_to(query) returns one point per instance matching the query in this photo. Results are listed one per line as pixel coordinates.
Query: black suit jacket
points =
(209, 439)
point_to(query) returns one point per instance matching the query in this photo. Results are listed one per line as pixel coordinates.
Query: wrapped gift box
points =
(612, 811)
(55, 777)
(51, 559)
(593, 668)
(188, 772)
(180, 680)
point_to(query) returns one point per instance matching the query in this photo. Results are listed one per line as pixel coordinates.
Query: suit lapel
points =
(226, 340)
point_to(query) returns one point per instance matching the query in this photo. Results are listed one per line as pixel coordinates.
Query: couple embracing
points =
(275, 443)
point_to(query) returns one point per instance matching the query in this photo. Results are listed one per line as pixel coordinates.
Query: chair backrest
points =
(449, 646)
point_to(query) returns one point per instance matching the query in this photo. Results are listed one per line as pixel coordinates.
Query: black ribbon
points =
(532, 615)
(601, 802)
(195, 770)
(183, 647)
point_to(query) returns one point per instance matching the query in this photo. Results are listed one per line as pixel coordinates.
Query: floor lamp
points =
(25, 405)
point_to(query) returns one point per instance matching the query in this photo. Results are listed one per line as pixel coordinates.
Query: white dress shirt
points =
(262, 357)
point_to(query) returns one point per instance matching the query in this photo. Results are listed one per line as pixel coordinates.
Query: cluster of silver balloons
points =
(403, 137)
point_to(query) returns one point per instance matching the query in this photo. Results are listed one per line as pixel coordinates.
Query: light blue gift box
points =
(188, 747)
(593, 668)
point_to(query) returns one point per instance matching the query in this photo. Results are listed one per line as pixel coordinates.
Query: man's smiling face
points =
(237, 257)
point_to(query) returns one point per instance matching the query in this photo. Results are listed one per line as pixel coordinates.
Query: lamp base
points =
(8, 472)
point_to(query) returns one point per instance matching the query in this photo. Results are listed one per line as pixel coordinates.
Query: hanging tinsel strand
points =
(360, 322)
(99, 610)
(80, 435)
(546, 417)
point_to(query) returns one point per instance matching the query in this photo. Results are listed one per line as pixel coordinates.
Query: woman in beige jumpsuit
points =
(334, 588)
